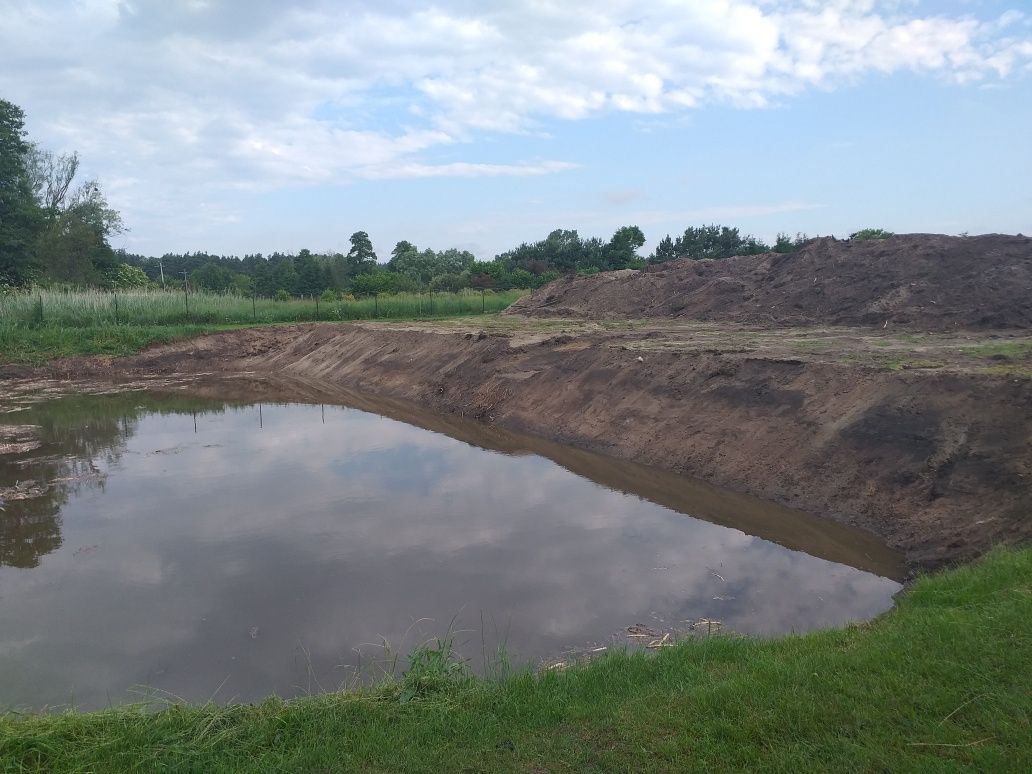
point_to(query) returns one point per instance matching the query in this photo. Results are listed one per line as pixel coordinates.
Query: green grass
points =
(1004, 350)
(93, 322)
(35, 346)
(941, 683)
(91, 308)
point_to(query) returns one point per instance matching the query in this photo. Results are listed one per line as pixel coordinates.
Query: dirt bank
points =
(913, 281)
(937, 463)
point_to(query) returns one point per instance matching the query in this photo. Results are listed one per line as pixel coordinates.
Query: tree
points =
(73, 246)
(311, 279)
(51, 177)
(284, 277)
(361, 255)
(622, 248)
(404, 247)
(563, 250)
(213, 277)
(786, 244)
(264, 281)
(19, 213)
(711, 242)
(664, 251)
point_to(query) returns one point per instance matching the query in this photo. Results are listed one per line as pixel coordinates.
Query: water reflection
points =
(212, 543)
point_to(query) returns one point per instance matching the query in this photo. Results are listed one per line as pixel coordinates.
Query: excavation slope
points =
(913, 281)
(937, 463)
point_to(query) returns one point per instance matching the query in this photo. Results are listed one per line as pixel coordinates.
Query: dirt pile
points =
(912, 281)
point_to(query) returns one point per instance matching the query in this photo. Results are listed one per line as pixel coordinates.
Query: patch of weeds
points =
(1013, 350)
(433, 668)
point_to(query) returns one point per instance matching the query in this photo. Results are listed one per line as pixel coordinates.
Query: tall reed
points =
(89, 308)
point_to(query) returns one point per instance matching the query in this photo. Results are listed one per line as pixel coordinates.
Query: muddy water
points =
(198, 547)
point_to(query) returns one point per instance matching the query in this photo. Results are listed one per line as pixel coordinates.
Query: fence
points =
(87, 308)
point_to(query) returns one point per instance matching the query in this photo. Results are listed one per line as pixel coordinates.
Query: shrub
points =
(865, 234)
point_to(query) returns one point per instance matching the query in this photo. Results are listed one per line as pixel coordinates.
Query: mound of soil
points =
(911, 281)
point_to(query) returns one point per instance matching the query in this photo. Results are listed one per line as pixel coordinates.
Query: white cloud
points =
(180, 100)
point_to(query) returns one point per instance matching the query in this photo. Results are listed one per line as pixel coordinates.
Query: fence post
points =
(316, 306)
(483, 301)
(116, 309)
(376, 305)
(431, 302)
(40, 308)
(254, 306)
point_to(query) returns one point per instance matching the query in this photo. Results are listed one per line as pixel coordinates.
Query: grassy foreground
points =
(941, 683)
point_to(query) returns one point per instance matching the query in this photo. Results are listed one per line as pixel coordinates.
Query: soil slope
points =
(937, 463)
(913, 281)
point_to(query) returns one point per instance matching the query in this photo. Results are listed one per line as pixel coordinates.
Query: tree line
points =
(57, 230)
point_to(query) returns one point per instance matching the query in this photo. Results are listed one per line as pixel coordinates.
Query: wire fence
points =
(89, 308)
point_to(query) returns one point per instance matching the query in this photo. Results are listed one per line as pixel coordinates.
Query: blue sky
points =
(240, 127)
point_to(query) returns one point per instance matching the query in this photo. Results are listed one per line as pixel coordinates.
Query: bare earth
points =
(924, 439)
(916, 282)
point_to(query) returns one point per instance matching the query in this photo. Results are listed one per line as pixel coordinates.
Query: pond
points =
(200, 544)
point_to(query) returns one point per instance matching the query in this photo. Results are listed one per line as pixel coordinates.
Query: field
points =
(87, 308)
(40, 325)
(939, 683)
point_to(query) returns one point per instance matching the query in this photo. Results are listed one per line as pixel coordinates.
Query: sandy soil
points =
(924, 440)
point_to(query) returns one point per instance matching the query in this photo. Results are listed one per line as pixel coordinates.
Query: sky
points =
(242, 126)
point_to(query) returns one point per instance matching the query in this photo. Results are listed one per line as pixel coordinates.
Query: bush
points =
(865, 234)
(282, 295)
(328, 296)
(126, 276)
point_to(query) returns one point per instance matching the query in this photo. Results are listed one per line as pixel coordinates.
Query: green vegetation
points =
(49, 225)
(78, 309)
(44, 324)
(865, 234)
(940, 683)
(715, 241)
(36, 346)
